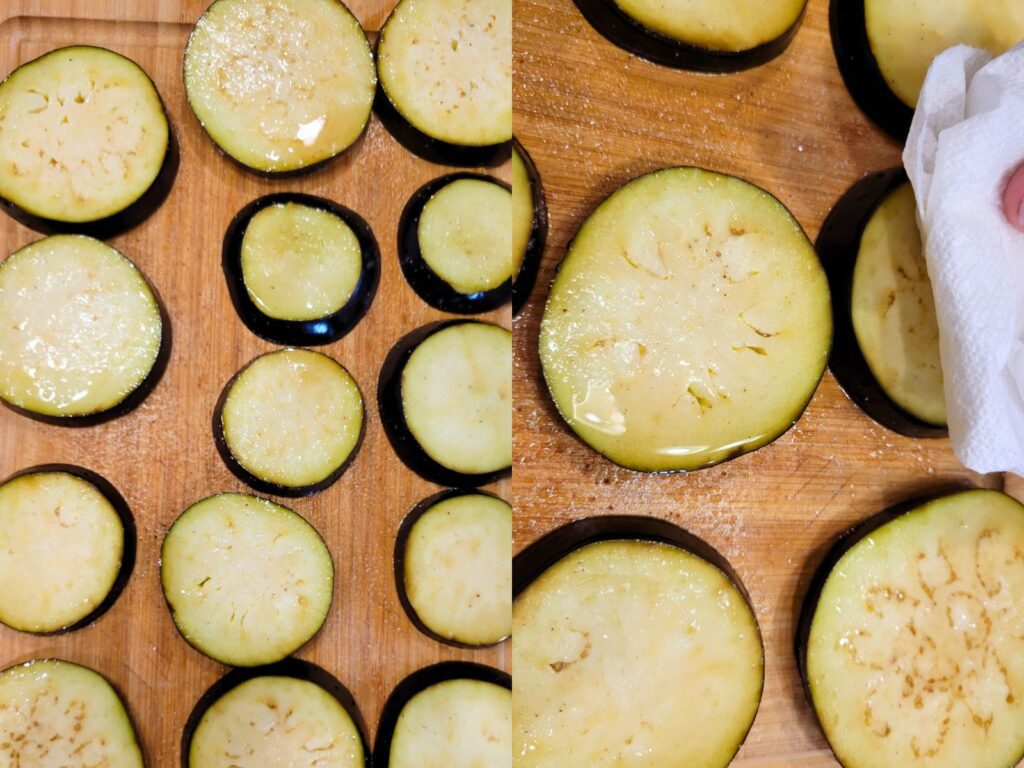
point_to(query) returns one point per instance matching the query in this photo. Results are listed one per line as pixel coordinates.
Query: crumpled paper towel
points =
(966, 140)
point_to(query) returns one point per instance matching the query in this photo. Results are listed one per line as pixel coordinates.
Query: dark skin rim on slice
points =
(523, 284)
(301, 333)
(427, 284)
(124, 514)
(838, 246)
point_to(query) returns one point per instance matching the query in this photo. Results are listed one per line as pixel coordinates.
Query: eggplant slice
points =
(706, 36)
(910, 639)
(85, 145)
(529, 225)
(689, 322)
(455, 243)
(248, 582)
(281, 86)
(634, 643)
(453, 567)
(301, 270)
(56, 713)
(69, 548)
(82, 335)
(445, 397)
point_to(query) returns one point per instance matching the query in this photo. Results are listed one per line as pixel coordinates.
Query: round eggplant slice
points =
(301, 270)
(85, 145)
(68, 548)
(288, 714)
(706, 36)
(290, 422)
(886, 354)
(689, 323)
(81, 331)
(456, 243)
(445, 69)
(453, 565)
(281, 86)
(529, 225)
(910, 640)
(618, 618)
(61, 714)
(248, 582)
(445, 395)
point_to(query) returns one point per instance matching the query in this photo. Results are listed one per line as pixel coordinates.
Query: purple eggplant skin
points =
(264, 486)
(418, 681)
(859, 68)
(392, 415)
(625, 32)
(399, 560)
(124, 514)
(428, 286)
(291, 667)
(301, 333)
(523, 284)
(838, 245)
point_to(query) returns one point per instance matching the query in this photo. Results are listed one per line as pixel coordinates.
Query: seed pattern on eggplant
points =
(522, 285)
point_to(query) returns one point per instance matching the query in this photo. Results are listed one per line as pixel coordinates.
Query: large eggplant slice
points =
(281, 86)
(884, 47)
(68, 548)
(910, 641)
(445, 397)
(445, 69)
(529, 224)
(706, 35)
(689, 323)
(292, 713)
(453, 567)
(85, 145)
(886, 353)
(449, 715)
(82, 334)
(56, 713)
(455, 243)
(301, 270)
(634, 644)
(248, 582)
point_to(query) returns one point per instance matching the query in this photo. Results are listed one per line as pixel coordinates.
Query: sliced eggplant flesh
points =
(689, 323)
(80, 328)
(529, 224)
(455, 557)
(56, 713)
(280, 85)
(911, 642)
(83, 135)
(248, 581)
(290, 422)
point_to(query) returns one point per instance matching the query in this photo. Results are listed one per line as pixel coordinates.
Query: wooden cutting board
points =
(162, 456)
(593, 117)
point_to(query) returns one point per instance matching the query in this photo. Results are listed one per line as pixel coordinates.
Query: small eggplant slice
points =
(288, 714)
(455, 243)
(247, 581)
(706, 35)
(689, 323)
(910, 638)
(449, 715)
(445, 396)
(886, 354)
(529, 225)
(85, 145)
(281, 86)
(290, 422)
(453, 566)
(68, 548)
(618, 618)
(81, 331)
(445, 69)
(301, 270)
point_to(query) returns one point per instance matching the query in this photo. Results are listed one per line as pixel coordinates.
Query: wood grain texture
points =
(593, 117)
(162, 456)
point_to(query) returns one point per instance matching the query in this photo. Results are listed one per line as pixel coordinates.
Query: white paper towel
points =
(966, 139)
